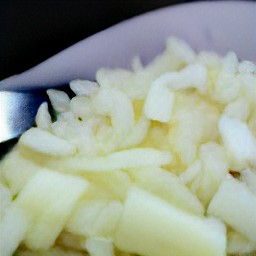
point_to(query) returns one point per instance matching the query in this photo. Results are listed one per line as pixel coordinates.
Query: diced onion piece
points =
(95, 218)
(119, 79)
(192, 76)
(214, 169)
(82, 107)
(99, 247)
(181, 49)
(168, 186)
(84, 87)
(191, 172)
(14, 166)
(238, 108)
(13, 228)
(136, 64)
(59, 100)
(118, 106)
(44, 142)
(85, 216)
(6, 198)
(248, 81)
(238, 141)
(160, 99)
(230, 63)
(130, 158)
(192, 126)
(137, 133)
(150, 226)
(235, 204)
(227, 88)
(238, 244)
(210, 59)
(48, 200)
(249, 177)
(159, 102)
(115, 183)
(43, 117)
(246, 67)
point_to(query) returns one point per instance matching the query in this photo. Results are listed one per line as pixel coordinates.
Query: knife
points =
(18, 110)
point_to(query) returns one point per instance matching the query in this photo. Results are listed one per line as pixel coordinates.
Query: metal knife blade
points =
(18, 111)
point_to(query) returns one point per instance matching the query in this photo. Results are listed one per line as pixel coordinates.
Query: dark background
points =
(32, 31)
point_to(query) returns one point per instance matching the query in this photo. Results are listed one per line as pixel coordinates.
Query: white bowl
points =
(220, 26)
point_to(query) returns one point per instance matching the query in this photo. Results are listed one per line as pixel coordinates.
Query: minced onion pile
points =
(158, 160)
